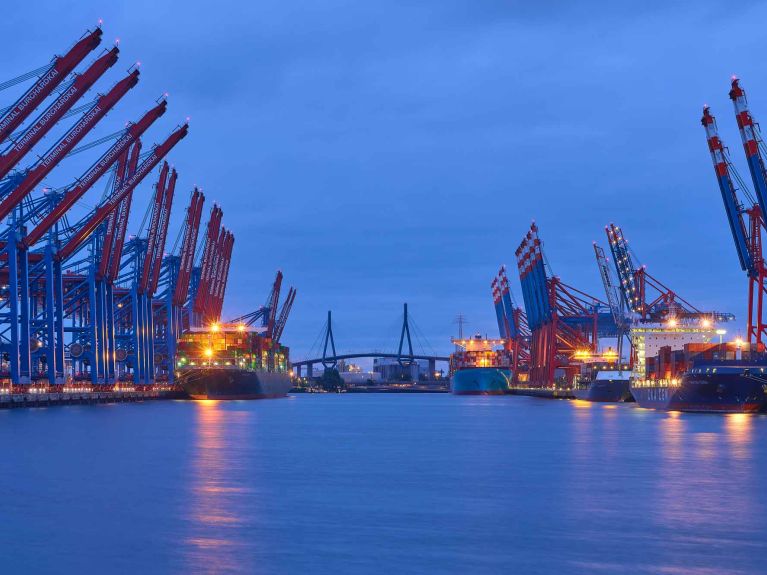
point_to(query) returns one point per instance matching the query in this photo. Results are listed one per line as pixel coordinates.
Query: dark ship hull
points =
(234, 383)
(727, 391)
(605, 390)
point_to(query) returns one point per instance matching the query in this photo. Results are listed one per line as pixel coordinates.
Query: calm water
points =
(381, 484)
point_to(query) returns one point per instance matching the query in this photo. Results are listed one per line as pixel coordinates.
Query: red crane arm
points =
(45, 84)
(121, 217)
(191, 232)
(55, 111)
(159, 198)
(132, 133)
(122, 213)
(106, 249)
(214, 277)
(217, 293)
(106, 208)
(225, 274)
(214, 224)
(284, 313)
(163, 234)
(46, 164)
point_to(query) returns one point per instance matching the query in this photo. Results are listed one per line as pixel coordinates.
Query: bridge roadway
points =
(309, 363)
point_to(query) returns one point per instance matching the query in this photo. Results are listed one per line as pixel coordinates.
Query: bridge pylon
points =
(405, 336)
(329, 361)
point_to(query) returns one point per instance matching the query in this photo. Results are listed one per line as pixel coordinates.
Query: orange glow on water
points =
(213, 511)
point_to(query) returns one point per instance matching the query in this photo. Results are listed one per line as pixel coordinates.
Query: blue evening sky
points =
(383, 151)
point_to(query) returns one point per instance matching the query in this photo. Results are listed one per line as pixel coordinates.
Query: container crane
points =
(566, 323)
(614, 300)
(110, 204)
(745, 225)
(53, 113)
(202, 286)
(498, 304)
(67, 143)
(515, 323)
(283, 316)
(645, 296)
(59, 69)
(95, 172)
(752, 256)
(188, 243)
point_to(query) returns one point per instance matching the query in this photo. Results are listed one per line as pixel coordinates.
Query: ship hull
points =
(725, 394)
(231, 383)
(606, 391)
(481, 381)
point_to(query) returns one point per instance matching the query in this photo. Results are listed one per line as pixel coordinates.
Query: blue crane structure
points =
(80, 302)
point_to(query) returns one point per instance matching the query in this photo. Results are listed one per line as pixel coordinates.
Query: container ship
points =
(716, 378)
(480, 366)
(230, 361)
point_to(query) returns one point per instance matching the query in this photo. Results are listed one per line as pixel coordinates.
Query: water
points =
(381, 484)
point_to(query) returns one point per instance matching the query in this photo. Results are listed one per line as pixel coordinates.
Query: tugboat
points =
(604, 379)
(606, 386)
(479, 367)
(232, 362)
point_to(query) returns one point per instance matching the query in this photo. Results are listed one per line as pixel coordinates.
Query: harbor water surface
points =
(381, 484)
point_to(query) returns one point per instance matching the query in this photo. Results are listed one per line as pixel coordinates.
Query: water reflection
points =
(215, 507)
(700, 454)
(738, 430)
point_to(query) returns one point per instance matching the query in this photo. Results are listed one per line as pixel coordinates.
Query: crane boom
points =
(512, 327)
(732, 205)
(191, 231)
(274, 299)
(208, 252)
(284, 313)
(225, 278)
(751, 138)
(121, 214)
(106, 249)
(56, 111)
(214, 281)
(106, 208)
(95, 172)
(45, 84)
(65, 145)
(613, 299)
(163, 227)
(159, 199)
(498, 308)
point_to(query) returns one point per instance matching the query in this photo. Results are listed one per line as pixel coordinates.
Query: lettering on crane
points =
(32, 95)
(107, 159)
(134, 179)
(46, 118)
(74, 133)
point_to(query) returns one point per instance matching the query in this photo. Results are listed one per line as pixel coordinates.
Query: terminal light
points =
(215, 327)
(208, 352)
(241, 328)
(706, 323)
(672, 322)
(721, 331)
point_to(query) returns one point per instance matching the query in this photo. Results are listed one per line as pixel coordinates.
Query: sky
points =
(385, 151)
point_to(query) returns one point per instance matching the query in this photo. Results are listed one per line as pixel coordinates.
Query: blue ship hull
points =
(481, 381)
